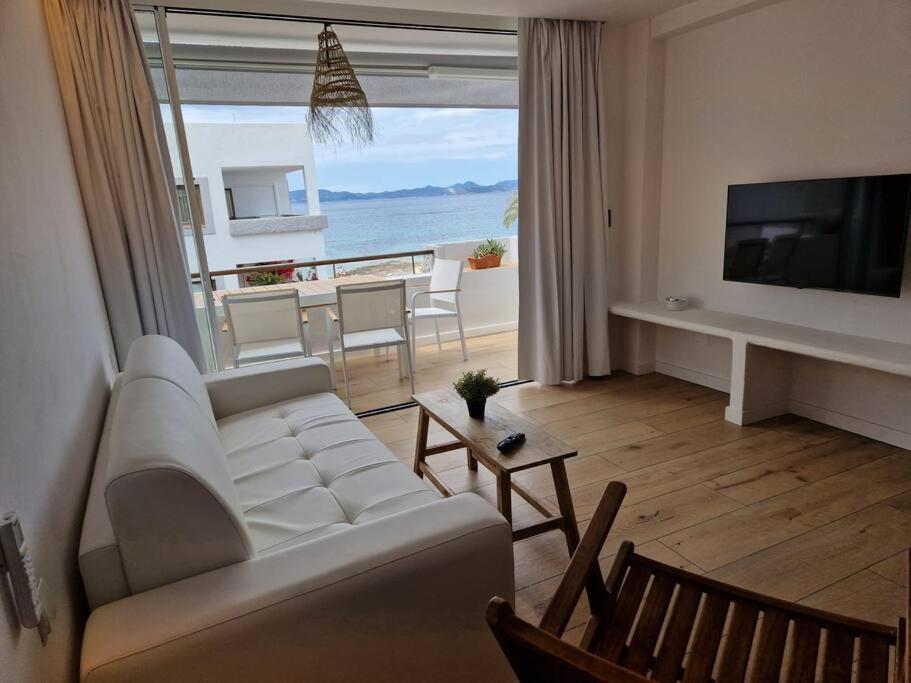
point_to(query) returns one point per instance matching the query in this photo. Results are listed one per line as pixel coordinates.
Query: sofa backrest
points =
(170, 509)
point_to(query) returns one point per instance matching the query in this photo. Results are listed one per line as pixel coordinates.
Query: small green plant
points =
(491, 246)
(262, 279)
(476, 385)
(511, 214)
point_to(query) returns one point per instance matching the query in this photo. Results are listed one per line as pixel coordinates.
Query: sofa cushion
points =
(171, 502)
(308, 467)
(161, 357)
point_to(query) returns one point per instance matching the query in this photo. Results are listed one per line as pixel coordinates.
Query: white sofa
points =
(245, 526)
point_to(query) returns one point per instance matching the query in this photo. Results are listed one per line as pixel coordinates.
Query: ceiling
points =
(614, 11)
(190, 29)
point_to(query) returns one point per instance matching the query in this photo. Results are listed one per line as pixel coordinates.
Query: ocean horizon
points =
(359, 227)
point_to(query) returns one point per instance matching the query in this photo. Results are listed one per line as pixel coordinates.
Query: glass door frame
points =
(193, 197)
(160, 13)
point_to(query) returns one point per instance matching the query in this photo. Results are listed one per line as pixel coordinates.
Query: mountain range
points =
(468, 187)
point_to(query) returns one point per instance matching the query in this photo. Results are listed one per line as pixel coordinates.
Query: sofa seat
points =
(308, 467)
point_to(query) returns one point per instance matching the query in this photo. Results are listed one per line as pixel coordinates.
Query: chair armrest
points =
(402, 598)
(234, 391)
(429, 292)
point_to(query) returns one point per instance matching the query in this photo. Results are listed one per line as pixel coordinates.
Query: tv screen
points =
(846, 234)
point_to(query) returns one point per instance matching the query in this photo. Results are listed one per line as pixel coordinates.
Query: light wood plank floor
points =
(788, 506)
(374, 380)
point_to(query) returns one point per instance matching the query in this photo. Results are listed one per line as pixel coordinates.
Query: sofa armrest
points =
(402, 598)
(234, 391)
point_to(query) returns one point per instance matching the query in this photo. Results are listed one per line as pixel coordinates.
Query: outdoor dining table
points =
(312, 292)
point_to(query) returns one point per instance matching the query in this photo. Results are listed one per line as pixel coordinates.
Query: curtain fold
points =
(563, 262)
(124, 173)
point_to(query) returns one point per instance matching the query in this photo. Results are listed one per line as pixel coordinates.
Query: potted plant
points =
(487, 255)
(475, 387)
(264, 278)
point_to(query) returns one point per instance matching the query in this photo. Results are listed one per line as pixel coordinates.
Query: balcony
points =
(489, 302)
(269, 225)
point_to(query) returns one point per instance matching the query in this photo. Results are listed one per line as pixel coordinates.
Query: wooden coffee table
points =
(480, 437)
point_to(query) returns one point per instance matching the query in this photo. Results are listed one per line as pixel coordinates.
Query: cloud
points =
(418, 135)
(429, 114)
(414, 146)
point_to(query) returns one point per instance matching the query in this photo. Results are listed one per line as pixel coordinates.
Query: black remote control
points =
(510, 442)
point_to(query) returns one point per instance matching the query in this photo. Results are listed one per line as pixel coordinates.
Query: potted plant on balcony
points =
(487, 255)
(476, 387)
(263, 279)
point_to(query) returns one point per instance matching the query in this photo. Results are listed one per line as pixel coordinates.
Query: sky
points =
(413, 147)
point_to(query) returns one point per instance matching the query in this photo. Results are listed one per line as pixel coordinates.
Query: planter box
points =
(489, 261)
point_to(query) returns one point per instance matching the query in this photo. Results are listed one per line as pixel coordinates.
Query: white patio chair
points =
(442, 301)
(266, 326)
(372, 316)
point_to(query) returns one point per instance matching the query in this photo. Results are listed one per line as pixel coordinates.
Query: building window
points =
(183, 205)
(229, 200)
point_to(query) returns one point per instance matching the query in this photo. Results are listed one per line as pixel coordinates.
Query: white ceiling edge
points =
(701, 13)
(347, 11)
(667, 17)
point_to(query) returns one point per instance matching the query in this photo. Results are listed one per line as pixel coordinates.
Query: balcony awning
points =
(246, 86)
(227, 60)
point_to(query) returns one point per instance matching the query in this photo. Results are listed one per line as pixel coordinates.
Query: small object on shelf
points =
(512, 441)
(676, 303)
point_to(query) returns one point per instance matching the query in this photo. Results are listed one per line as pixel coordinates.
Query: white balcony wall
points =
(462, 250)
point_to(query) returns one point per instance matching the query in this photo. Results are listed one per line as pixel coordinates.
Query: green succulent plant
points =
(491, 246)
(476, 385)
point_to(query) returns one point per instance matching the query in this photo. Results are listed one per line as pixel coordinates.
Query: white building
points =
(242, 172)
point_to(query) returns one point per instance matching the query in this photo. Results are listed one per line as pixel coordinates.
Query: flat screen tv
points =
(846, 234)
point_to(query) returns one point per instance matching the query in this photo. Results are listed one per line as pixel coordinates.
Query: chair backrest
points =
(536, 656)
(662, 623)
(447, 274)
(263, 316)
(371, 306)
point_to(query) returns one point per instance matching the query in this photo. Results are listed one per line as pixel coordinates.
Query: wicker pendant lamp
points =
(337, 103)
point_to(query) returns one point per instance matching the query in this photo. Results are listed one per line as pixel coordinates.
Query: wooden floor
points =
(788, 506)
(374, 380)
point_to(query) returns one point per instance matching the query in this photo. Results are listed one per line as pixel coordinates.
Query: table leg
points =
(420, 447)
(472, 461)
(593, 586)
(565, 502)
(504, 495)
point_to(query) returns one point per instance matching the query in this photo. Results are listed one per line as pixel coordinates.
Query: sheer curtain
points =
(122, 164)
(563, 278)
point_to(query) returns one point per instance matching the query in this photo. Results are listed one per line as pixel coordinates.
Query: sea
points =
(380, 226)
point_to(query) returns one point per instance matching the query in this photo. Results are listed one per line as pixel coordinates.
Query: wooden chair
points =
(651, 621)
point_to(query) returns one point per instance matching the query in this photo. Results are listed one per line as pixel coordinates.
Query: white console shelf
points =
(761, 351)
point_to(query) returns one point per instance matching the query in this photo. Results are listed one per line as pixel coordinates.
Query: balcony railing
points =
(334, 263)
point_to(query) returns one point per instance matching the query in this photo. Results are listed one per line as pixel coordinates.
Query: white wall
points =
(798, 89)
(55, 348)
(274, 202)
(794, 89)
(219, 151)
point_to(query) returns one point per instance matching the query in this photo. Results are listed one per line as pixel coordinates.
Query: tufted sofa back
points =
(162, 505)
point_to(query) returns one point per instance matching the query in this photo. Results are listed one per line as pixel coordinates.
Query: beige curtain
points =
(124, 172)
(563, 277)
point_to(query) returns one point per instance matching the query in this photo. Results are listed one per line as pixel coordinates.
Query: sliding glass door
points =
(267, 205)
(154, 33)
